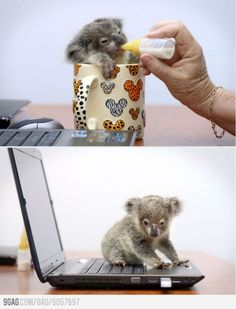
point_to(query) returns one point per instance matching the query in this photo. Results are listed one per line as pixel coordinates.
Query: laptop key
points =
(115, 270)
(6, 136)
(96, 267)
(34, 138)
(138, 269)
(87, 266)
(49, 138)
(105, 269)
(19, 138)
(127, 270)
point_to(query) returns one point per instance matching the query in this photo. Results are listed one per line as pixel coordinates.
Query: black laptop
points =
(58, 137)
(47, 250)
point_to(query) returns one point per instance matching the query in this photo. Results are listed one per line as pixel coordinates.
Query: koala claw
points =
(107, 69)
(121, 263)
(163, 265)
(179, 263)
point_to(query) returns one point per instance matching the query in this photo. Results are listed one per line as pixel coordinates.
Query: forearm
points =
(168, 249)
(223, 110)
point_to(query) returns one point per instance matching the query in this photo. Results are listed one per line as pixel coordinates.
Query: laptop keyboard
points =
(28, 137)
(100, 266)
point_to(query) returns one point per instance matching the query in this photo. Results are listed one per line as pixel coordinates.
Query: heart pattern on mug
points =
(133, 90)
(134, 113)
(116, 109)
(119, 125)
(133, 69)
(107, 87)
(114, 72)
(138, 130)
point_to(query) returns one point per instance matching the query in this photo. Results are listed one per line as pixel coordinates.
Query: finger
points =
(175, 30)
(158, 67)
(146, 71)
(163, 23)
(167, 31)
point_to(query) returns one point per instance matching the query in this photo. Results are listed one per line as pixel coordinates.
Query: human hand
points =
(185, 74)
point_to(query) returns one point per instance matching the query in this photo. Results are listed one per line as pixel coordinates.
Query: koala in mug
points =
(99, 43)
(145, 228)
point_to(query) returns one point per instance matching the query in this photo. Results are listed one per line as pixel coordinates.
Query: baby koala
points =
(133, 240)
(99, 43)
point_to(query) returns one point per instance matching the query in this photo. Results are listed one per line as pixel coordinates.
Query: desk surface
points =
(219, 279)
(166, 125)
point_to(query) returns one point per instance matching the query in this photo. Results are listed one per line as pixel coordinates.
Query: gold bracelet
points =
(211, 114)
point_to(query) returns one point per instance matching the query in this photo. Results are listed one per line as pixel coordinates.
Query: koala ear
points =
(174, 205)
(83, 40)
(131, 204)
(118, 22)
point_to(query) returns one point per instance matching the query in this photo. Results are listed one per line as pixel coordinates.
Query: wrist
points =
(200, 96)
(219, 109)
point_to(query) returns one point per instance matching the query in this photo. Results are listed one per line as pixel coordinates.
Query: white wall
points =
(34, 35)
(90, 185)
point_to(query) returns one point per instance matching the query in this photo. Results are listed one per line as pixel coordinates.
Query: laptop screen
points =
(36, 197)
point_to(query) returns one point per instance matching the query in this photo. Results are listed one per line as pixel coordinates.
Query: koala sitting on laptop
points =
(145, 228)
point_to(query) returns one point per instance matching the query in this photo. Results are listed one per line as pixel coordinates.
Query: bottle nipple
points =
(24, 245)
(132, 46)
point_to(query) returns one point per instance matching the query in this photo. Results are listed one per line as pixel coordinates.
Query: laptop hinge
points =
(52, 270)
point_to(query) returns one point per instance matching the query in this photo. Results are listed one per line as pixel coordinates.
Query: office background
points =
(34, 35)
(89, 187)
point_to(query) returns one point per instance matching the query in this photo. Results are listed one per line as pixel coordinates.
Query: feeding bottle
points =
(23, 254)
(160, 48)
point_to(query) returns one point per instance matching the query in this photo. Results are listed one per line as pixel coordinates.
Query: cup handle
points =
(81, 100)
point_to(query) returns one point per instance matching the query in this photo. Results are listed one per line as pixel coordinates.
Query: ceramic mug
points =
(109, 104)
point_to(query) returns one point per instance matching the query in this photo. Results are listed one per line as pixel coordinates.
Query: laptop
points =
(11, 111)
(59, 137)
(46, 247)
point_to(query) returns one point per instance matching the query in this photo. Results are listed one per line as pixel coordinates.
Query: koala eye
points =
(146, 222)
(162, 222)
(119, 31)
(104, 40)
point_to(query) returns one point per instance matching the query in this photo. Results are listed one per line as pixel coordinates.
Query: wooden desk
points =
(166, 125)
(219, 279)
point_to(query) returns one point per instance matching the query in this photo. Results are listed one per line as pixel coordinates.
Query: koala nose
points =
(154, 231)
(119, 40)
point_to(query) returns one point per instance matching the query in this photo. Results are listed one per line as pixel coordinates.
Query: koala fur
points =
(99, 43)
(145, 228)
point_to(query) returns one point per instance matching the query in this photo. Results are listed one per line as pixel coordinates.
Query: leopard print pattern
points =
(134, 113)
(76, 69)
(76, 84)
(133, 69)
(115, 72)
(133, 90)
(79, 106)
(119, 125)
(74, 103)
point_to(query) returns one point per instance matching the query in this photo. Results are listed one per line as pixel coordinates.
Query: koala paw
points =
(107, 69)
(178, 263)
(121, 263)
(163, 265)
